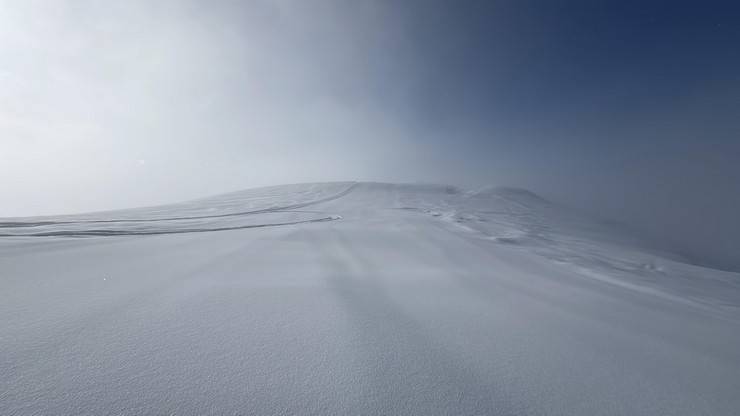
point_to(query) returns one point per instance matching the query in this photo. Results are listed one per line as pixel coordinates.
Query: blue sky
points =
(626, 108)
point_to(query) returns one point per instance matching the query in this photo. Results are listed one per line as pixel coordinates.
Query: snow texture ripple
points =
(359, 298)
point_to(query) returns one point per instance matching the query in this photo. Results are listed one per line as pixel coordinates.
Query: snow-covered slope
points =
(359, 298)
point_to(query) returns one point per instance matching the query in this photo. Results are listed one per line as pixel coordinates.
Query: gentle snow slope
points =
(361, 298)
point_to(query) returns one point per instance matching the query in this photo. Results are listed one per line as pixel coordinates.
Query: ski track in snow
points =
(172, 225)
(379, 299)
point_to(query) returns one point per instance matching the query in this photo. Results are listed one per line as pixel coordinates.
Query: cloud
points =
(216, 97)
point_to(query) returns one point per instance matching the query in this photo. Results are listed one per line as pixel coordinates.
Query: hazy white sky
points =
(119, 104)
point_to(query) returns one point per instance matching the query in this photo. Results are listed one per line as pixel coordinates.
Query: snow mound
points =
(512, 194)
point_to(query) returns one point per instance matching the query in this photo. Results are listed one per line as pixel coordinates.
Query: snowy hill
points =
(359, 298)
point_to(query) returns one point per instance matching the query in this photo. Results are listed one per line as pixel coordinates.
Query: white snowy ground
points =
(364, 298)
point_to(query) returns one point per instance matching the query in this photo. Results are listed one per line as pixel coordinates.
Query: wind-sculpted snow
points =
(594, 248)
(364, 298)
(229, 212)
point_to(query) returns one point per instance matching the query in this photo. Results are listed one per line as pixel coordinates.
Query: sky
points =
(625, 109)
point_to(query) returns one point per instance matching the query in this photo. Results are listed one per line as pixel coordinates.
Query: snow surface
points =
(359, 298)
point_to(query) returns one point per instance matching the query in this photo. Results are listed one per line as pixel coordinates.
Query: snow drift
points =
(359, 298)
